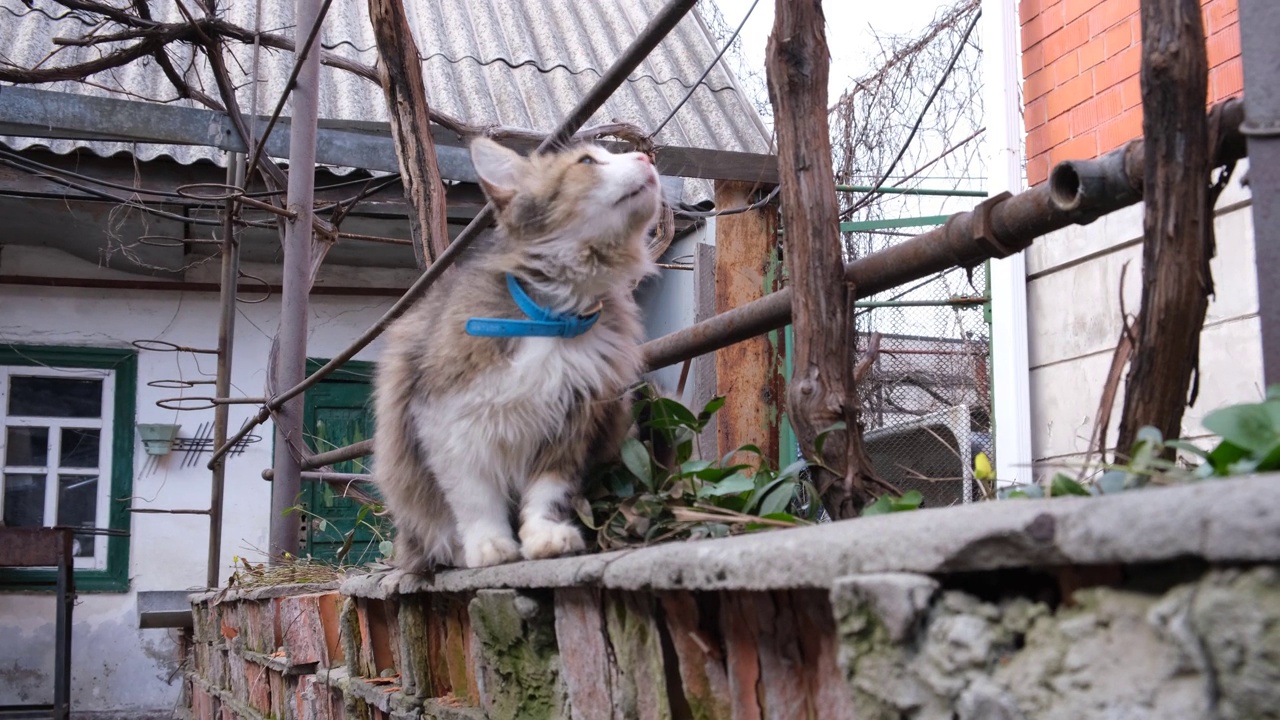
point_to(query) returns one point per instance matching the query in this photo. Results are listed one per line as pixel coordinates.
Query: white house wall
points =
(115, 666)
(1074, 308)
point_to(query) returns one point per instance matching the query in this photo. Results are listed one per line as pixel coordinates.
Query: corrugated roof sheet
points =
(513, 63)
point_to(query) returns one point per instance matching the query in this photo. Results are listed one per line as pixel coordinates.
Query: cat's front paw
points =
(491, 551)
(542, 539)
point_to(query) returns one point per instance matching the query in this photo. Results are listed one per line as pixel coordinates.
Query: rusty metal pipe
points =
(1084, 191)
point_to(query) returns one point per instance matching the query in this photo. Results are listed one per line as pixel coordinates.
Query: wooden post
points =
(1178, 223)
(822, 391)
(401, 71)
(748, 374)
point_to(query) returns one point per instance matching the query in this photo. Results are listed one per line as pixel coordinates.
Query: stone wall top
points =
(1220, 521)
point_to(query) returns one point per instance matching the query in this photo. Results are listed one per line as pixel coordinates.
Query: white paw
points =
(543, 539)
(490, 550)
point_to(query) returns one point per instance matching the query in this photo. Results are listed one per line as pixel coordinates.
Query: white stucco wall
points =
(117, 667)
(1074, 310)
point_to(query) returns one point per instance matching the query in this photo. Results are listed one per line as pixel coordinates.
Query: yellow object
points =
(982, 467)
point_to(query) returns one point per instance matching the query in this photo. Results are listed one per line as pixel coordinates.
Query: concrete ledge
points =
(1219, 521)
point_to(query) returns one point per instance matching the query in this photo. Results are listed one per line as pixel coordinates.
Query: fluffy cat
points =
(470, 428)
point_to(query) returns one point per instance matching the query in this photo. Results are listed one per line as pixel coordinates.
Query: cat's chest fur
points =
(517, 406)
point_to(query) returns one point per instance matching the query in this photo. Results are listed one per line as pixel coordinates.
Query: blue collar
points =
(542, 322)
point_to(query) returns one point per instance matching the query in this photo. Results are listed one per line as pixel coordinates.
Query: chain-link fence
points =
(926, 395)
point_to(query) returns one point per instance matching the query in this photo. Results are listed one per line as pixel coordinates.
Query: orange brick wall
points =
(1080, 62)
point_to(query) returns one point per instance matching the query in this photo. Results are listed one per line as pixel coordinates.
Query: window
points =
(66, 454)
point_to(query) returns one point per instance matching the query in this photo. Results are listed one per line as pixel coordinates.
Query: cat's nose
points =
(644, 158)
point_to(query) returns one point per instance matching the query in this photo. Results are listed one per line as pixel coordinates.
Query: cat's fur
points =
(471, 428)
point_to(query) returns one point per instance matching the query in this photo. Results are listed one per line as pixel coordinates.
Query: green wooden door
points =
(338, 412)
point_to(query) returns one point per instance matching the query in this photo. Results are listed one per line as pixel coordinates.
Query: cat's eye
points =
(587, 160)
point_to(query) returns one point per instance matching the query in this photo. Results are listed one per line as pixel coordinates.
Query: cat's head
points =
(578, 216)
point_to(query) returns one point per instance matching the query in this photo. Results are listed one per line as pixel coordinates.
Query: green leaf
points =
(1063, 485)
(820, 441)
(1015, 494)
(1270, 460)
(321, 525)
(637, 459)
(777, 500)
(1248, 426)
(708, 411)
(794, 469)
(748, 448)
(910, 500)
(669, 414)
(784, 516)
(1187, 447)
(732, 485)
(693, 467)
(1224, 455)
(385, 548)
(881, 506)
(1149, 434)
(1113, 481)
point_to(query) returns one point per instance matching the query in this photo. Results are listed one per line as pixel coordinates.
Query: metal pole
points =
(291, 340)
(1259, 28)
(653, 33)
(222, 380)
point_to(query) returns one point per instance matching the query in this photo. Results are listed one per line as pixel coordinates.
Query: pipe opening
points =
(1064, 186)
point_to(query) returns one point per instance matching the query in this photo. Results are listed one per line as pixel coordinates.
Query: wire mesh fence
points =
(926, 399)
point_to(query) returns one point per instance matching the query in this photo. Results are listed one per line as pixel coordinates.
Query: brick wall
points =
(1080, 62)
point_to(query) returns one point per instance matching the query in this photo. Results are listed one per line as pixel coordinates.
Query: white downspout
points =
(1011, 369)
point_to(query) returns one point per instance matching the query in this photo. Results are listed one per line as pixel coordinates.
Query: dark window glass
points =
(23, 500)
(55, 397)
(28, 446)
(78, 507)
(79, 447)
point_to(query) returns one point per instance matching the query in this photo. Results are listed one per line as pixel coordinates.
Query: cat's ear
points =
(499, 169)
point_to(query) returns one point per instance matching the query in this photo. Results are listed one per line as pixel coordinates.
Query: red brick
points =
(1118, 69)
(1028, 9)
(1084, 117)
(1078, 148)
(1117, 132)
(1038, 140)
(1131, 92)
(1117, 39)
(1038, 85)
(1068, 95)
(1075, 8)
(1220, 15)
(202, 705)
(1092, 53)
(312, 701)
(1223, 46)
(1109, 104)
(301, 631)
(1110, 13)
(1032, 59)
(1037, 169)
(1049, 20)
(1065, 40)
(259, 685)
(1036, 113)
(330, 605)
(279, 694)
(1059, 130)
(1226, 81)
(1066, 68)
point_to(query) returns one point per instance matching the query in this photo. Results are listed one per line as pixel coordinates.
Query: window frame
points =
(120, 418)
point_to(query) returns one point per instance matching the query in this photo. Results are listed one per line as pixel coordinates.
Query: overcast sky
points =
(849, 30)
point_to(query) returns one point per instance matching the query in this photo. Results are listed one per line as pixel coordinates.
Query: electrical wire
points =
(706, 72)
(955, 57)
